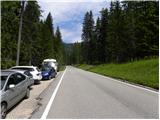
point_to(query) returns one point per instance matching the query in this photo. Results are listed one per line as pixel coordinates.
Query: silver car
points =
(27, 73)
(33, 70)
(14, 87)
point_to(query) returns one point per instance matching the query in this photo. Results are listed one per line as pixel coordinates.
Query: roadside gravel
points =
(24, 109)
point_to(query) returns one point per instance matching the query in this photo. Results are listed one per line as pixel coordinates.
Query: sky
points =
(69, 15)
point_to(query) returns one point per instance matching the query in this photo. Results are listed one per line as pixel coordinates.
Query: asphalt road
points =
(83, 94)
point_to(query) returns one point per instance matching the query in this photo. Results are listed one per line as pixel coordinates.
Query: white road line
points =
(131, 85)
(123, 82)
(46, 111)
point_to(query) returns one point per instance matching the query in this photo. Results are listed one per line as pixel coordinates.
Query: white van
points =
(52, 62)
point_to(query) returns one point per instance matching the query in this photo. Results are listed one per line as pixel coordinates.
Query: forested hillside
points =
(127, 31)
(39, 39)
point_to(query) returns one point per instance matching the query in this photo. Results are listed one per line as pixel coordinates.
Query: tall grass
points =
(144, 72)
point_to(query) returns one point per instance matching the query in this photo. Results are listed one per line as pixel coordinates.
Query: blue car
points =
(48, 72)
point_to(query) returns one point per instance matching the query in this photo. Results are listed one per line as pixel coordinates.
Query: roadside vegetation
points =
(127, 31)
(39, 39)
(117, 43)
(143, 72)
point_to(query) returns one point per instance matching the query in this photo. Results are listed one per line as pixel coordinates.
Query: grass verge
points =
(143, 72)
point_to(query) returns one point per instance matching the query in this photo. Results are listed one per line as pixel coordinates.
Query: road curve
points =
(84, 94)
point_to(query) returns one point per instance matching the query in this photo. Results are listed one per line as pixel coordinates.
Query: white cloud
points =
(73, 11)
(64, 11)
(73, 35)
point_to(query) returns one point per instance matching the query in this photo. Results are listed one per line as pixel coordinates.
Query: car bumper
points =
(44, 77)
(37, 81)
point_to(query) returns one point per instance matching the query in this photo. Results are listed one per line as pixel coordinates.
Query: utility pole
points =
(19, 33)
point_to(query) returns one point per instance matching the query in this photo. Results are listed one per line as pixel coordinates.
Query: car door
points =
(21, 85)
(11, 93)
(53, 72)
(30, 78)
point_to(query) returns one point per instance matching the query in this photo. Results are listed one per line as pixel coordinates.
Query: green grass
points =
(144, 72)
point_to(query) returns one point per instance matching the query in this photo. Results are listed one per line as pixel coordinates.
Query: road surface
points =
(83, 94)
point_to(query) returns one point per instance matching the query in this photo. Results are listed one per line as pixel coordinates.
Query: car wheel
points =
(3, 110)
(27, 93)
(49, 77)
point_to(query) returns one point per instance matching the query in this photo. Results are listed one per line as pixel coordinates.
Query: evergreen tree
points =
(103, 41)
(49, 22)
(50, 36)
(30, 40)
(98, 39)
(88, 37)
(59, 48)
(85, 38)
(10, 17)
(117, 33)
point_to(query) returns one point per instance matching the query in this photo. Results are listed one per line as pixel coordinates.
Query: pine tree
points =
(92, 41)
(85, 38)
(30, 40)
(103, 41)
(88, 37)
(59, 49)
(130, 24)
(116, 34)
(10, 16)
(49, 22)
(98, 39)
(50, 36)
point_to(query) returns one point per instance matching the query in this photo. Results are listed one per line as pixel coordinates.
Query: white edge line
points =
(123, 82)
(46, 111)
(132, 85)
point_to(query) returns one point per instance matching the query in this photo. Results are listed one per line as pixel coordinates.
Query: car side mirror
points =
(11, 86)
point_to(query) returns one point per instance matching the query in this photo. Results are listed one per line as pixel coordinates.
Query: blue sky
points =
(69, 15)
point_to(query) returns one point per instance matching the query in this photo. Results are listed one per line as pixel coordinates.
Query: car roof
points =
(18, 70)
(49, 60)
(6, 72)
(24, 67)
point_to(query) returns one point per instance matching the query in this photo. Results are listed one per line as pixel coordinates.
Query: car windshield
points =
(29, 69)
(47, 63)
(3, 81)
(28, 73)
(45, 68)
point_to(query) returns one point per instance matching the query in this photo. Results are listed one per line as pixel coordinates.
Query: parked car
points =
(26, 72)
(48, 72)
(14, 87)
(33, 70)
(51, 62)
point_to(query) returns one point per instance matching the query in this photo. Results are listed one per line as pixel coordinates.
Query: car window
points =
(45, 68)
(19, 78)
(47, 63)
(11, 80)
(28, 73)
(3, 81)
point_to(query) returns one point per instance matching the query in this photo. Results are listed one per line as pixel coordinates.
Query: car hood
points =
(44, 72)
